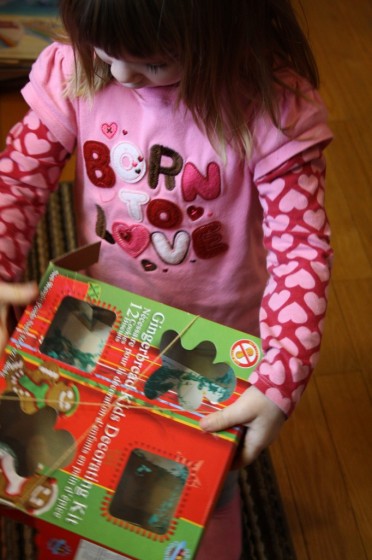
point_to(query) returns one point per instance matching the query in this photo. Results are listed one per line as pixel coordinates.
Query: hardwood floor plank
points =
(337, 352)
(348, 412)
(350, 255)
(323, 504)
(298, 535)
(354, 174)
(355, 298)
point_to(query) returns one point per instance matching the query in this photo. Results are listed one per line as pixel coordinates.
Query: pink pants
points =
(222, 539)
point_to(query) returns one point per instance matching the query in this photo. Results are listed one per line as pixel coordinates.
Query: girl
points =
(198, 134)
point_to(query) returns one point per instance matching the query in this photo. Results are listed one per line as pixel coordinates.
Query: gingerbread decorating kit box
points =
(101, 396)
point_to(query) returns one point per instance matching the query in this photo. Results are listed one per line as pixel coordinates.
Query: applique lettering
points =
(128, 162)
(156, 168)
(208, 241)
(195, 183)
(134, 202)
(101, 226)
(171, 253)
(97, 160)
(164, 213)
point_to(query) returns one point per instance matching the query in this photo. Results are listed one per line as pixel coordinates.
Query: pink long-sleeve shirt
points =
(244, 243)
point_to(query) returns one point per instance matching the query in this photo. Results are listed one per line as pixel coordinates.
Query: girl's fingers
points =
(18, 294)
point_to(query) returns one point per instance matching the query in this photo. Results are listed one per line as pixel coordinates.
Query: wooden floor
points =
(323, 458)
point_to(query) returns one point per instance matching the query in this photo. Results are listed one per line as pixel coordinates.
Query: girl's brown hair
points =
(230, 52)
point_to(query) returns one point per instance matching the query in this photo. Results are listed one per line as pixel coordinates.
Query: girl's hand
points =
(13, 294)
(262, 417)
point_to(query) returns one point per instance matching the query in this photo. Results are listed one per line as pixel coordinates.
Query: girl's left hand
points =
(260, 415)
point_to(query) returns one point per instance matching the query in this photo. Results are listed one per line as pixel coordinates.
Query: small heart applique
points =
(148, 266)
(195, 212)
(132, 239)
(109, 129)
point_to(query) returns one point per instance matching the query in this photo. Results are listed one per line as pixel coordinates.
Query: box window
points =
(149, 491)
(78, 333)
(192, 374)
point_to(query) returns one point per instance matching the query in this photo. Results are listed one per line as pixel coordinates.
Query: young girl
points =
(198, 134)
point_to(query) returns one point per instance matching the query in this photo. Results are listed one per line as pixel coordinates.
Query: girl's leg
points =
(222, 539)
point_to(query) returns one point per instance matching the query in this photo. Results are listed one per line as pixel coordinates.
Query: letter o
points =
(164, 213)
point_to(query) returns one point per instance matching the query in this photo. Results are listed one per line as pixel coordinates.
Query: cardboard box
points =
(101, 393)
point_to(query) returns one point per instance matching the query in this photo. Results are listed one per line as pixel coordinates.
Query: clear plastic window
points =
(192, 374)
(78, 333)
(149, 491)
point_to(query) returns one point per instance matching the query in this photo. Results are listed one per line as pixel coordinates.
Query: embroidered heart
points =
(124, 132)
(195, 212)
(109, 129)
(148, 266)
(132, 239)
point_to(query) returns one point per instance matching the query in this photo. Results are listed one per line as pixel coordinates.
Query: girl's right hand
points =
(17, 295)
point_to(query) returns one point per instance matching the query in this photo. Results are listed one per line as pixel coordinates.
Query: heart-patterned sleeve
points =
(296, 237)
(30, 167)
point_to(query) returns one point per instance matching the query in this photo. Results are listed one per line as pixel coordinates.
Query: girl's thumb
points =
(18, 294)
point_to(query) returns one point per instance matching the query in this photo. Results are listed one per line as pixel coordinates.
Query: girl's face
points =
(138, 73)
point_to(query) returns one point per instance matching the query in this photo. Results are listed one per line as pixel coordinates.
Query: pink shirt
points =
(225, 241)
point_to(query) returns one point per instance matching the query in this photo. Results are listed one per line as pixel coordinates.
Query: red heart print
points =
(132, 239)
(195, 212)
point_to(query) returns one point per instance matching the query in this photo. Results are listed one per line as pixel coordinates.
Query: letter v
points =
(171, 253)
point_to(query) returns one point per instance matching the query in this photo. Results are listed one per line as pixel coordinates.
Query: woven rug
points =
(266, 535)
